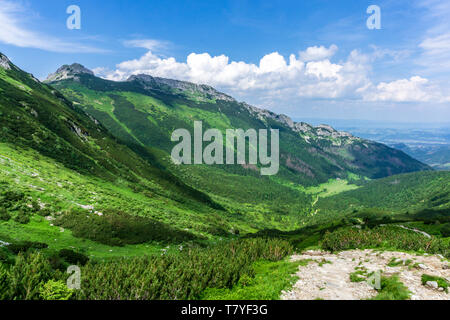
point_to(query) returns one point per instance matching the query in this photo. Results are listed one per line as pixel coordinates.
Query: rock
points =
(422, 266)
(149, 82)
(440, 256)
(4, 62)
(441, 289)
(445, 267)
(69, 72)
(432, 284)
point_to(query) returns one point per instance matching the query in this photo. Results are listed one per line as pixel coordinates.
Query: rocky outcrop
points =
(69, 72)
(4, 62)
(321, 132)
(155, 83)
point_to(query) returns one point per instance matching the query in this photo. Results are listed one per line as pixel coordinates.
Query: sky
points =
(311, 59)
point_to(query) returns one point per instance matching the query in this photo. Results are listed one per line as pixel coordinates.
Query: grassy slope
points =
(398, 194)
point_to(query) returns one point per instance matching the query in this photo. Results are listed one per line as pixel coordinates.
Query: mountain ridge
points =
(145, 112)
(150, 82)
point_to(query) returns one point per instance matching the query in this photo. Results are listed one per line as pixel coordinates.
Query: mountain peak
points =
(69, 72)
(150, 82)
(4, 62)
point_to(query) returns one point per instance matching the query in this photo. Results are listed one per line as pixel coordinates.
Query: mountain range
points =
(121, 132)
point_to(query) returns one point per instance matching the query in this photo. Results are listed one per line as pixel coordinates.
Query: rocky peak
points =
(157, 83)
(69, 72)
(322, 131)
(4, 62)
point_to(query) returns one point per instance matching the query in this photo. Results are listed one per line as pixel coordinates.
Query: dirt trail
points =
(331, 281)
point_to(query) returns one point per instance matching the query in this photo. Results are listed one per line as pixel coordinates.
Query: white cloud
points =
(13, 32)
(323, 69)
(318, 53)
(149, 44)
(436, 52)
(435, 45)
(414, 89)
(276, 77)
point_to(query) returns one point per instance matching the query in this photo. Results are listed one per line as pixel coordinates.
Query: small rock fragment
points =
(432, 284)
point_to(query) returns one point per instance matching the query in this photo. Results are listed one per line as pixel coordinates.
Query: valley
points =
(87, 179)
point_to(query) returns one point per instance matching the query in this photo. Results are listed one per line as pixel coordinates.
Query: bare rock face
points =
(69, 72)
(4, 62)
(321, 132)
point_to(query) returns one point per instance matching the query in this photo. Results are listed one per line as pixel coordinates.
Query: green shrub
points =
(6, 256)
(24, 246)
(26, 276)
(9, 198)
(4, 214)
(445, 230)
(117, 228)
(22, 217)
(55, 290)
(392, 289)
(183, 275)
(73, 257)
(442, 283)
(4, 282)
(389, 237)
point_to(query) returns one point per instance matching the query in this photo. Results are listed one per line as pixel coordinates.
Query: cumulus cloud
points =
(414, 89)
(276, 77)
(318, 53)
(12, 32)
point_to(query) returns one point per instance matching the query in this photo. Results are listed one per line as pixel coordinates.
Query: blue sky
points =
(302, 58)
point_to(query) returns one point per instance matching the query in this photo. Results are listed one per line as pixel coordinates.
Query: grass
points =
(359, 275)
(392, 289)
(269, 280)
(330, 188)
(395, 262)
(40, 230)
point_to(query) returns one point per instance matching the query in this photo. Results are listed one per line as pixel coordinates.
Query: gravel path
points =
(330, 280)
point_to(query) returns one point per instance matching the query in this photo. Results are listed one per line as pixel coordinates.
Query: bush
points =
(4, 215)
(389, 237)
(182, 275)
(44, 212)
(27, 275)
(22, 217)
(5, 256)
(445, 231)
(392, 289)
(55, 290)
(442, 283)
(117, 228)
(73, 257)
(24, 246)
(10, 197)
(4, 282)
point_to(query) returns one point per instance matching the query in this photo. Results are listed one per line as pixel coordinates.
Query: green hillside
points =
(144, 111)
(410, 192)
